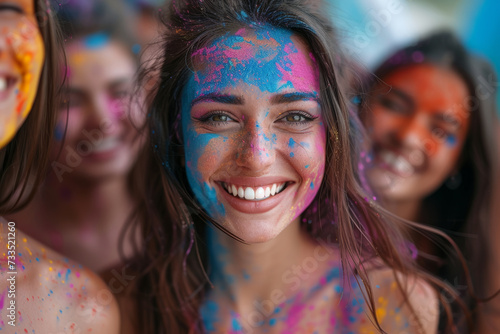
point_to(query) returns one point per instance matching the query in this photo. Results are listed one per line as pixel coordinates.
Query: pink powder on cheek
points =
(115, 107)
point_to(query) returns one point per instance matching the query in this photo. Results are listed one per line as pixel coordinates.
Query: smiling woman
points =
(253, 218)
(40, 290)
(241, 117)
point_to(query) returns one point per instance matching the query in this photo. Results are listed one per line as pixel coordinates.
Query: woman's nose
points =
(255, 152)
(416, 134)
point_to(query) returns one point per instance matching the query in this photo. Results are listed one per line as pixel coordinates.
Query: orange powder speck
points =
(25, 240)
(50, 268)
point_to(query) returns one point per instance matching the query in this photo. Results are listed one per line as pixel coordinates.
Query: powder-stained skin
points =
(21, 59)
(251, 94)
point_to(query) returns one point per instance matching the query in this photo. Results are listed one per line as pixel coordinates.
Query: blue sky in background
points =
(373, 29)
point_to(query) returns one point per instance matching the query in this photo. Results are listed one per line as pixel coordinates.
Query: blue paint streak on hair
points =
(96, 41)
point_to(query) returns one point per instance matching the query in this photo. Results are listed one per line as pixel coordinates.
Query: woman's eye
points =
(297, 118)
(219, 118)
(392, 104)
(120, 94)
(11, 7)
(216, 119)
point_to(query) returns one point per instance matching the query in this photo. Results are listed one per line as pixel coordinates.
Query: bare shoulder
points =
(43, 292)
(404, 302)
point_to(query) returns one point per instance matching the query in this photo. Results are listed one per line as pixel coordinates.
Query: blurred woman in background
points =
(427, 110)
(40, 290)
(87, 197)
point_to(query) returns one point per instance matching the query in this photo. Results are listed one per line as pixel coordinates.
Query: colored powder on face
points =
(291, 143)
(235, 325)
(96, 41)
(451, 140)
(272, 322)
(306, 166)
(259, 58)
(311, 185)
(58, 133)
(291, 154)
(136, 48)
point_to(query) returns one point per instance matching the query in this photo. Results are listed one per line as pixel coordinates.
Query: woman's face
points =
(100, 138)
(254, 139)
(418, 123)
(22, 54)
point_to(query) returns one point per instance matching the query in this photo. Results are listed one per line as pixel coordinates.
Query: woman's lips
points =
(256, 199)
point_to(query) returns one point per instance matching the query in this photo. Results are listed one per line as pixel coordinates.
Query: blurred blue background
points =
(373, 29)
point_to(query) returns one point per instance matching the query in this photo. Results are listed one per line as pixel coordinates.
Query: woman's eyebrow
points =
(293, 97)
(221, 98)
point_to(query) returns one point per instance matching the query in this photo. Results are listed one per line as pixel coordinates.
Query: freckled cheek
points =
(210, 158)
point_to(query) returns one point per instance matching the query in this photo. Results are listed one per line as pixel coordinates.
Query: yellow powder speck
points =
(25, 240)
(381, 313)
(50, 268)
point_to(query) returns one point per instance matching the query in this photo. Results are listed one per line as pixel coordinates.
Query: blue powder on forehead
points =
(254, 58)
(96, 41)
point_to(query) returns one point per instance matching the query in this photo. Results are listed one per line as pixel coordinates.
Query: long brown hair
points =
(172, 281)
(23, 160)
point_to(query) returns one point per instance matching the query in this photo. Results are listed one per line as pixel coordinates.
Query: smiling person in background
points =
(40, 290)
(87, 196)
(253, 185)
(429, 117)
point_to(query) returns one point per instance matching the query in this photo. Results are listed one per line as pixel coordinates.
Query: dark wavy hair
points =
(23, 160)
(170, 288)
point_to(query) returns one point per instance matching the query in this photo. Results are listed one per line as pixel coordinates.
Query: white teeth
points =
(273, 189)
(106, 145)
(249, 193)
(3, 84)
(399, 163)
(403, 166)
(260, 193)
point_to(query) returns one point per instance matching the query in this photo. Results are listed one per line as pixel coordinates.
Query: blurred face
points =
(21, 59)
(253, 133)
(419, 124)
(100, 138)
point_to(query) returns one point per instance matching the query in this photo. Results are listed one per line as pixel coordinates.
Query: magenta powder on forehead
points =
(299, 72)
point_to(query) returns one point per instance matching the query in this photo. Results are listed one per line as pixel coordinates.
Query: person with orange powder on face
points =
(87, 196)
(428, 115)
(40, 290)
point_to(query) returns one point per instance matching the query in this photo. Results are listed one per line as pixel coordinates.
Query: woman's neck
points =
(76, 202)
(253, 276)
